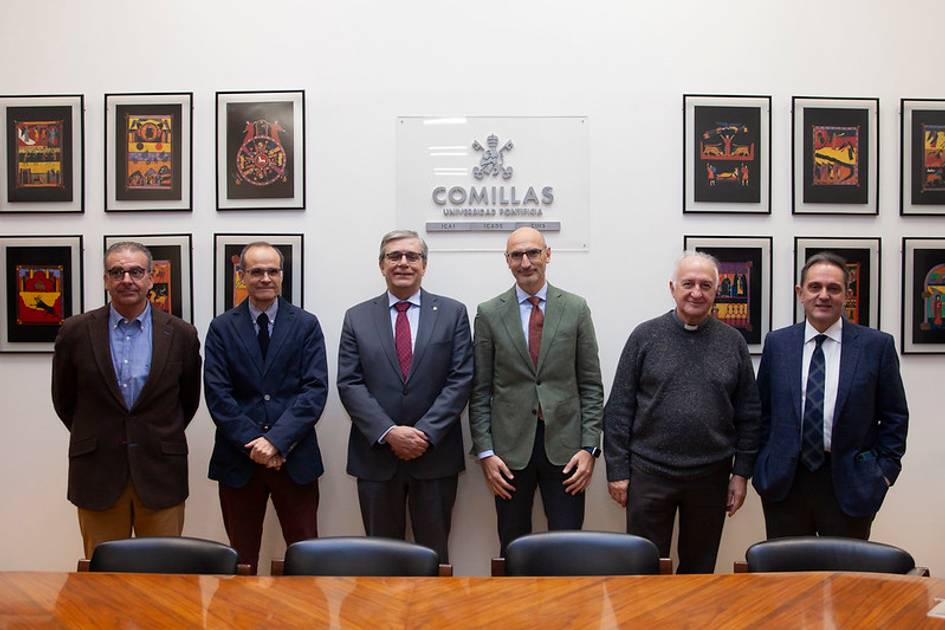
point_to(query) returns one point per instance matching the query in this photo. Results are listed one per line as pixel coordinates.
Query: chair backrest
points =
(360, 556)
(824, 553)
(582, 553)
(164, 554)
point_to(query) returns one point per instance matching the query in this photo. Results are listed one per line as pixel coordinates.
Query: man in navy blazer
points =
(266, 383)
(834, 415)
(405, 368)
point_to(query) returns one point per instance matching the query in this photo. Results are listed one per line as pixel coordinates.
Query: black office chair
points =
(582, 553)
(166, 554)
(826, 553)
(359, 556)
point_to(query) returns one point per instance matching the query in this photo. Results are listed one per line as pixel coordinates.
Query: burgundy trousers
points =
(245, 508)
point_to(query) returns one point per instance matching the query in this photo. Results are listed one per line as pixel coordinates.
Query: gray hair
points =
(397, 235)
(827, 258)
(128, 246)
(260, 244)
(692, 253)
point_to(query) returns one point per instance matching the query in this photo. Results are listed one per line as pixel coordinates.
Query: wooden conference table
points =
(799, 600)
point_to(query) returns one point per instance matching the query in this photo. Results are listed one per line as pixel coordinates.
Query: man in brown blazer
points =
(126, 382)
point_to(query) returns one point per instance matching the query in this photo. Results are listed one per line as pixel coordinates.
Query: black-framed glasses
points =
(259, 272)
(533, 254)
(118, 273)
(395, 257)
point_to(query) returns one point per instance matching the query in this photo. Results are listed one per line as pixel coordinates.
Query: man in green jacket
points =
(535, 411)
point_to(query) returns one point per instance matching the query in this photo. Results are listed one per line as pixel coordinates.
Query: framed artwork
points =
(43, 146)
(743, 300)
(172, 275)
(42, 286)
(228, 288)
(726, 154)
(863, 268)
(148, 152)
(923, 293)
(260, 139)
(835, 147)
(922, 157)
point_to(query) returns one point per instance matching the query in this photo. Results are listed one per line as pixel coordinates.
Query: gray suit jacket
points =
(432, 399)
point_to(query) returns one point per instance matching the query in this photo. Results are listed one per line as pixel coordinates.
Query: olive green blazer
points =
(508, 388)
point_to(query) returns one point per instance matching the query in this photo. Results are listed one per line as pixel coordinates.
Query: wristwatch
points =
(593, 450)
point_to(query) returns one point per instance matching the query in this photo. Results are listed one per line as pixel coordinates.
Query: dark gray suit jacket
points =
(432, 399)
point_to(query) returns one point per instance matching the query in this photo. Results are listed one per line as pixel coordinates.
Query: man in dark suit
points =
(266, 384)
(535, 410)
(834, 415)
(404, 375)
(126, 382)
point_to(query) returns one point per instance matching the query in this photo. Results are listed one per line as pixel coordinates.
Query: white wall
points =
(624, 65)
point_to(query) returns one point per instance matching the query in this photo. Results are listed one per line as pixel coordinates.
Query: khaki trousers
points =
(127, 514)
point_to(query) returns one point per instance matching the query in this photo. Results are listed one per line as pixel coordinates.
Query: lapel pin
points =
(434, 308)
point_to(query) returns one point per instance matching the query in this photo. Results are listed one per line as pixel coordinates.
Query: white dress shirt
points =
(831, 348)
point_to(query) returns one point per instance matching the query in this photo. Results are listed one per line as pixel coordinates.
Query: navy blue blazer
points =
(869, 423)
(281, 398)
(432, 399)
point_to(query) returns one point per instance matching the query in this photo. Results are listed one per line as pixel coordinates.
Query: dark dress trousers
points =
(432, 399)
(109, 443)
(868, 438)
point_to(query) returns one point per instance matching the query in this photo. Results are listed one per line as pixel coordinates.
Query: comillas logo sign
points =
(489, 200)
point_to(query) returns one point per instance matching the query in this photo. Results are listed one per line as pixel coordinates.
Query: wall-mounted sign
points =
(460, 180)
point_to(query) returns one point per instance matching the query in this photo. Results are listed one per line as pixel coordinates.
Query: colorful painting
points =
(239, 287)
(148, 154)
(851, 305)
(260, 146)
(161, 294)
(40, 287)
(39, 295)
(39, 154)
(733, 298)
(924, 295)
(933, 158)
(835, 164)
(923, 157)
(727, 154)
(743, 296)
(933, 291)
(836, 156)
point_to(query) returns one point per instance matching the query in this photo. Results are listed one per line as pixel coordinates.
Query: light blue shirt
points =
(270, 312)
(525, 307)
(413, 315)
(130, 345)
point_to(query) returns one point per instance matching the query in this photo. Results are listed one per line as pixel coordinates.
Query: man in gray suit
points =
(405, 370)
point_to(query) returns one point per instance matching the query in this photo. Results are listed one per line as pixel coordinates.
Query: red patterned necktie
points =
(402, 339)
(535, 321)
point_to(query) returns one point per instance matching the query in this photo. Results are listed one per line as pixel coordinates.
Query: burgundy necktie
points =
(535, 321)
(402, 339)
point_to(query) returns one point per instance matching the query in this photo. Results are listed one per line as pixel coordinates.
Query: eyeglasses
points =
(395, 257)
(118, 273)
(533, 255)
(258, 272)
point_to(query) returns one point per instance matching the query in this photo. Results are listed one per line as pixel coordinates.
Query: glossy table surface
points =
(799, 600)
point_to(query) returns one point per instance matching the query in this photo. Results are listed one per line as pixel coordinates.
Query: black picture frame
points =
(42, 159)
(835, 155)
(260, 150)
(226, 250)
(149, 152)
(172, 273)
(41, 280)
(922, 157)
(923, 295)
(863, 256)
(726, 154)
(744, 272)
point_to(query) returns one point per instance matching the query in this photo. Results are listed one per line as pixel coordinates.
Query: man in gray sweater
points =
(683, 421)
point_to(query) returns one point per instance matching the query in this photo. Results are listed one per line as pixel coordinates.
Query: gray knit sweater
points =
(682, 402)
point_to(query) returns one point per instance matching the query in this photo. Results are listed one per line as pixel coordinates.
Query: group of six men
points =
(821, 433)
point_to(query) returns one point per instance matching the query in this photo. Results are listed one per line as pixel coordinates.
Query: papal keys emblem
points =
(492, 162)
(261, 158)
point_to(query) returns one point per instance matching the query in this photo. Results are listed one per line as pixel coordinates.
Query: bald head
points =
(527, 255)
